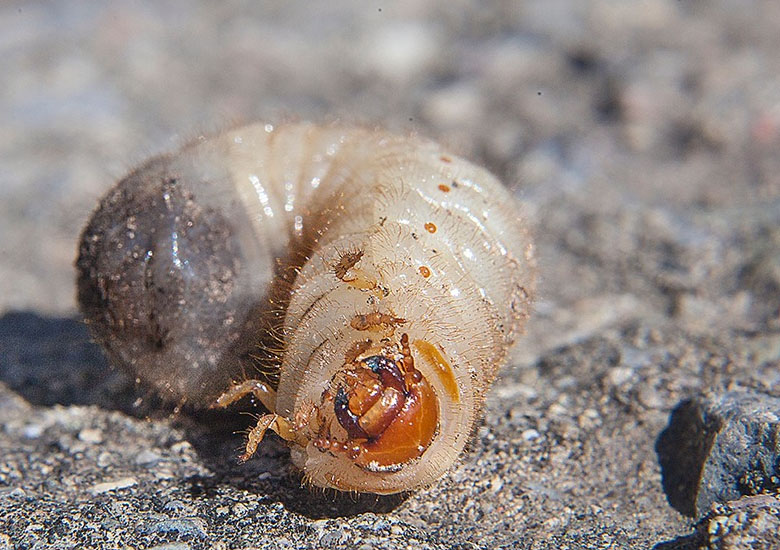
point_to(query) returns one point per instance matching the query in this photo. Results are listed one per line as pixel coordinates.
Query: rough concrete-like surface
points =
(643, 137)
(719, 448)
(752, 522)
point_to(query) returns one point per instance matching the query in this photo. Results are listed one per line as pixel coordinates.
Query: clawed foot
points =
(276, 423)
(267, 396)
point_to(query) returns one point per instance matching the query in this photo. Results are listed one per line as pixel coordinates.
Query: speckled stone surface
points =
(718, 448)
(642, 137)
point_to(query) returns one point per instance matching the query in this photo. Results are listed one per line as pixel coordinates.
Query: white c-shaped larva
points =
(392, 275)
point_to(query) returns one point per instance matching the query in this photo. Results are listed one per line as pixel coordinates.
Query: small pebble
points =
(91, 435)
(147, 457)
(530, 434)
(32, 431)
(239, 510)
(122, 483)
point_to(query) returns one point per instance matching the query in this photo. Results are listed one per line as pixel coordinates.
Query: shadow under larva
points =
(364, 287)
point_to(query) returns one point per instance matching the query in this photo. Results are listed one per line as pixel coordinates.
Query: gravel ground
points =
(643, 138)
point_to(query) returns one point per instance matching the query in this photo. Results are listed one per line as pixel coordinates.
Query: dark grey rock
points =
(719, 448)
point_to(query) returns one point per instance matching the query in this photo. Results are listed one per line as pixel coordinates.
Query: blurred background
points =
(650, 105)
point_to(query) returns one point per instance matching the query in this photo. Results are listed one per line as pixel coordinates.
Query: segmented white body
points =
(439, 243)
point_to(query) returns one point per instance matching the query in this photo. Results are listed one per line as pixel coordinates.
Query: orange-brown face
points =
(388, 410)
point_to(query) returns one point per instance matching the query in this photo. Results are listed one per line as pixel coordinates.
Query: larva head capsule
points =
(386, 408)
(373, 426)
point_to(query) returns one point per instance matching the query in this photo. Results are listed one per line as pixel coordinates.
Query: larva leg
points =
(262, 391)
(281, 426)
(284, 428)
(256, 435)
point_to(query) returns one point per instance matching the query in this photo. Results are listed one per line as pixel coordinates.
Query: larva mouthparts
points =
(393, 276)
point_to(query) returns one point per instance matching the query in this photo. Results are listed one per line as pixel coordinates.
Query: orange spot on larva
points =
(445, 158)
(444, 188)
(433, 356)
(430, 227)
(424, 271)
